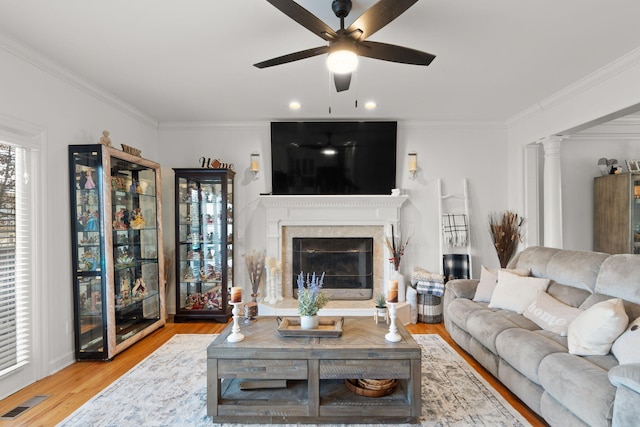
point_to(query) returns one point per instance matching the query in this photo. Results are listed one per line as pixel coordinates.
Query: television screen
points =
(333, 157)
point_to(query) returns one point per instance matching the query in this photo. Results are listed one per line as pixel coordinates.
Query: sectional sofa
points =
(560, 360)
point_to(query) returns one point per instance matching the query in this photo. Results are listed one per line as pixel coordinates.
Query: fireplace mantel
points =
(338, 210)
(346, 215)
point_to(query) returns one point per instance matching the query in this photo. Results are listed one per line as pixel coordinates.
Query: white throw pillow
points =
(595, 329)
(489, 279)
(627, 347)
(551, 314)
(515, 292)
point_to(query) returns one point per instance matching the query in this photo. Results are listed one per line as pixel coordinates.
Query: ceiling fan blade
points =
(393, 53)
(305, 18)
(379, 15)
(296, 56)
(342, 81)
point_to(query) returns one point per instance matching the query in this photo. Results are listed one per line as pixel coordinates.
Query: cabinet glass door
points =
(200, 236)
(636, 214)
(229, 237)
(87, 234)
(135, 247)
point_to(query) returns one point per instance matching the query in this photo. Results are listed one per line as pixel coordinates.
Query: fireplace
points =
(347, 263)
(336, 217)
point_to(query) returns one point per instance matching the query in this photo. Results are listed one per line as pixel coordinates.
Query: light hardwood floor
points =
(73, 386)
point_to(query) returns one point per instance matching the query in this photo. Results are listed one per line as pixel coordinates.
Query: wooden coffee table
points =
(315, 369)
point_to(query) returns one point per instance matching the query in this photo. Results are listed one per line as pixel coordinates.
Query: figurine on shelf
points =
(139, 288)
(89, 184)
(120, 219)
(133, 188)
(211, 273)
(138, 222)
(125, 288)
(104, 139)
(188, 274)
(92, 222)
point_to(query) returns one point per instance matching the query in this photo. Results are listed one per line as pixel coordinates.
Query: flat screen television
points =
(328, 158)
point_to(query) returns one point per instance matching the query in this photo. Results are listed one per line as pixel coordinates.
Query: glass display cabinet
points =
(616, 218)
(118, 275)
(204, 243)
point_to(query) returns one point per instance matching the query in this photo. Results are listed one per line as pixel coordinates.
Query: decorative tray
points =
(328, 327)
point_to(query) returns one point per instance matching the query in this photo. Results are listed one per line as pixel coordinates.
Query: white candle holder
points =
(235, 336)
(393, 335)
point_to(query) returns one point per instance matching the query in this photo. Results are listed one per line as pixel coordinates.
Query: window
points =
(15, 258)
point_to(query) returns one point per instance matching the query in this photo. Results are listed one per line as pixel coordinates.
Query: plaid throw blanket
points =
(455, 230)
(430, 288)
(427, 282)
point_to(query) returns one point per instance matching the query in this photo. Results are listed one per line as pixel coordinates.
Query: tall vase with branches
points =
(504, 228)
(396, 246)
(255, 267)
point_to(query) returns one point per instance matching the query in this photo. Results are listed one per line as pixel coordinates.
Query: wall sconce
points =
(413, 164)
(255, 165)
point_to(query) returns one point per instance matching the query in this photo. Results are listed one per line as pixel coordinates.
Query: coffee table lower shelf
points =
(291, 404)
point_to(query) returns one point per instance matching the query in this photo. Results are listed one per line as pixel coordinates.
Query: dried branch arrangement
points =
(396, 248)
(255, 266)
(505, 231)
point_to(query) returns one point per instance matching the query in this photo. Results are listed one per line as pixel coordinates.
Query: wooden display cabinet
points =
(616, 218)
(204, 243)
(118, 275)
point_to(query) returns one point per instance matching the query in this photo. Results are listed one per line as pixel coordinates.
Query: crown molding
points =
(603, 74)
(61, 73)
(260, 125)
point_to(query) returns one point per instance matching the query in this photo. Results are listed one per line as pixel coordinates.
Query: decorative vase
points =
(309, 322)
(402, 287)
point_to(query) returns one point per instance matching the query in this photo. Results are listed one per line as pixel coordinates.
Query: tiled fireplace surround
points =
(329, 216)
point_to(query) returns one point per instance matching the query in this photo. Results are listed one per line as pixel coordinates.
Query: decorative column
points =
(552, 192)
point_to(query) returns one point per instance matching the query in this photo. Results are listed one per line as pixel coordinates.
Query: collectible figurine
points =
(89, 184)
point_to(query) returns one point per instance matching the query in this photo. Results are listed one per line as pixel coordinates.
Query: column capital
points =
(552, 140)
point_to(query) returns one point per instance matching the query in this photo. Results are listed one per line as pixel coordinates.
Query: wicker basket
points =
(429, 308)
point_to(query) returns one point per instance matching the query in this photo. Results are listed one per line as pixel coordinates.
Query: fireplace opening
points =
(346, 261)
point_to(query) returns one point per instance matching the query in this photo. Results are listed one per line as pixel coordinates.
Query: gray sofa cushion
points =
(485, 325)
(619, 277)
(580, 386)
(568, 294)
(524, 350)
(459, 310)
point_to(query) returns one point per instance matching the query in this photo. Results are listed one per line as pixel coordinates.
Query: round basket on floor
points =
(371, 388)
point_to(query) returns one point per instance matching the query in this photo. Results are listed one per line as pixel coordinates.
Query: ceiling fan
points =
(346, 44)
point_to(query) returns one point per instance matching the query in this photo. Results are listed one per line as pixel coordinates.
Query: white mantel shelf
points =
(333, 201)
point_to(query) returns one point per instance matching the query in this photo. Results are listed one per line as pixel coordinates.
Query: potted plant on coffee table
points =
(310, 299)
(381, 308)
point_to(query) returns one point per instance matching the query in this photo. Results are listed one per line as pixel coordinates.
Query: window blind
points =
(15, 258)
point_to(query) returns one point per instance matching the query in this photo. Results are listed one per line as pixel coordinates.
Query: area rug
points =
(168, 389)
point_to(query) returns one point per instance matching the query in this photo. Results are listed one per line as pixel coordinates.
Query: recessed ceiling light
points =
(370, 105)
(295, 105)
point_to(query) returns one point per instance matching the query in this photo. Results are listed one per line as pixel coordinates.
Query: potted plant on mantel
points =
(310, 300)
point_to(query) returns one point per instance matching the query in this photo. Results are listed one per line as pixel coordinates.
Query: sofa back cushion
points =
(578, 269)
(620, 277)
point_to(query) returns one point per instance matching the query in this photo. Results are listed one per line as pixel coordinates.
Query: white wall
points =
(603, 95)
(66, 115)
(447, 151)
(579, 167)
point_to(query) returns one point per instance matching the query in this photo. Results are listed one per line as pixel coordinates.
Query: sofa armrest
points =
(462, 288)
(626, 375)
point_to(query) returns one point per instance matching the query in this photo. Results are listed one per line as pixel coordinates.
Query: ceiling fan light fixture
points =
(342, 61)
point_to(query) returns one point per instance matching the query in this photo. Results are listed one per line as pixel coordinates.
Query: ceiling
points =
(191, 60)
